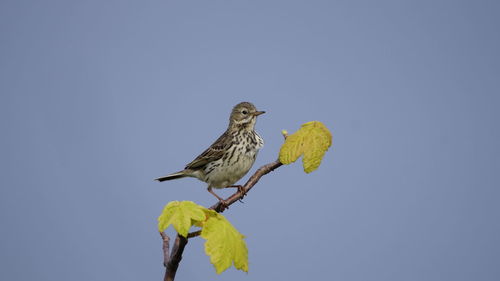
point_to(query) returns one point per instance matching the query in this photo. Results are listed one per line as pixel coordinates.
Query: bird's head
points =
(244, 114)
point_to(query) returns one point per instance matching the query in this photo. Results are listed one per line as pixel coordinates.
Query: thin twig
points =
(180, 242)
(175, 258)
(194, 234)
(219, 207)
(166, 248)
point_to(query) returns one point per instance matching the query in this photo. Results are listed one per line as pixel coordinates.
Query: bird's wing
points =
(214, 152)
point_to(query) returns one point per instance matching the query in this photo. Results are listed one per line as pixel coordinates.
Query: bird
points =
(231, 156)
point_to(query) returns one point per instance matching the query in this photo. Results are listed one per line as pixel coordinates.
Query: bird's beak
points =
(257, 113)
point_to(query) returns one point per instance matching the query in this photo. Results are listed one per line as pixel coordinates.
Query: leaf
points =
(312, 140)
(224, 245)
(181, 215)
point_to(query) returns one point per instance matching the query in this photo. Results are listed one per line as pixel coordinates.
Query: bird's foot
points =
(241, 190)
(223, 203)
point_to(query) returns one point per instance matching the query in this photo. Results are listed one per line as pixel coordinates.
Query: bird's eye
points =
(244, 112)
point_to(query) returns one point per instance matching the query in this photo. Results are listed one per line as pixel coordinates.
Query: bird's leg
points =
(222, 201)
(240, 188)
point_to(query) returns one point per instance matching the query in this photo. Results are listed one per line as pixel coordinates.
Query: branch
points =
(266, 169)
(194, 234)
(166, 248)
(175, 258)
(180, 242)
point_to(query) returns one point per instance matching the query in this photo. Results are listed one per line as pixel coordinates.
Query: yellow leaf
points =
(312, 140)
(224, 245)
(181, 215)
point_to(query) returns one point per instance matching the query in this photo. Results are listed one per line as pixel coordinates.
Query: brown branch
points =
(175, 258)
(180, 242)
(194, 234)
(219, 207)
(166, 248)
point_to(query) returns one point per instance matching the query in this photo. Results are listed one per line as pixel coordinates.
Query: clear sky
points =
(98, 98)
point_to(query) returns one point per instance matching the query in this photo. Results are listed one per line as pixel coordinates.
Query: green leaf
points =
(312, 140)
(224, 245)
(181, 215)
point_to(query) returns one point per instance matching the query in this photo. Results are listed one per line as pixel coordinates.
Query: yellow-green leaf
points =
(181, 215)
(312, 140)
(224, 245)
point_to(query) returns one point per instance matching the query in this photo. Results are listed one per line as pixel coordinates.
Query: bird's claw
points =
(241, 189)
(223, 204)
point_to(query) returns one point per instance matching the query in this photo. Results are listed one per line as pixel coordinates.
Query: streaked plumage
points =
(231, 156)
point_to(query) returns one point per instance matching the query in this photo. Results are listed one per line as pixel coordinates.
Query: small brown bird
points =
(231, 156)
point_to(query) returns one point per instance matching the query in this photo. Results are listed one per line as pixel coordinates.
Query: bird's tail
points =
(178, 175)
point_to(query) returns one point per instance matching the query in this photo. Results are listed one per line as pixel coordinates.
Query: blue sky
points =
(98, 98)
